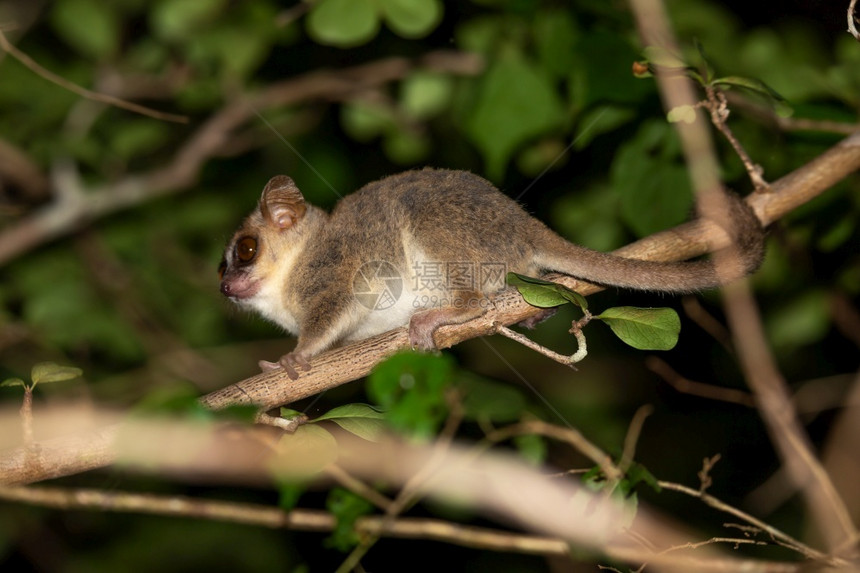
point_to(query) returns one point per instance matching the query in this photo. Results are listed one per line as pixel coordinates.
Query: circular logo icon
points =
(377, 285)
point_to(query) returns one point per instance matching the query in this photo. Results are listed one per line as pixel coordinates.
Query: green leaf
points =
(555, 36)
(289, 493)
(682, 114)
(706, 62)
(799, 321)
(644, 328)
(356, 410)
(545, 294)
(532, 447)
(346, 506)
(365, 428)
(751, 84)
(139, 137)
(779, 103)
(662, 57)
(652, 183)
(490, 401)
(516, 103)
(411, 18)
(180, 399)
(178, 19)
(343, 23)
(46, 372)
(362, 420)
(289, 413)
(537, 158)
(482, 34)
(364, 121)
(89, 26)
(410, 387)
(637, 473)
(426, 94)
(599, 120)
(304, 453)
(9, 382)
(406, 147)
(603, 71)
(244, 413)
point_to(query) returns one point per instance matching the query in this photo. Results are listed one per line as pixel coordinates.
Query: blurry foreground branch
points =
(501, 486)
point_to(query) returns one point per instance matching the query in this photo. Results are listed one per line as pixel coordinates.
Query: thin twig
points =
(706, 321)
(766, 114)
(358, 487)
(288, 425)
(775, 533)
(694, 388)
(569, 435)
(705, 480)
(718, 107)
(632, 437)
(266, 516)
(83, 92)
(529, 343)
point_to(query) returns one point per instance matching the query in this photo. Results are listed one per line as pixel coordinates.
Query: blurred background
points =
(112, 224)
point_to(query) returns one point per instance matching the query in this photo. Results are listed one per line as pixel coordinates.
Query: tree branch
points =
(77, 209)
(36, 68)
(297, 519)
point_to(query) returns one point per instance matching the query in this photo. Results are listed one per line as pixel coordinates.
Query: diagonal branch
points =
(36, 68)
(76, 209)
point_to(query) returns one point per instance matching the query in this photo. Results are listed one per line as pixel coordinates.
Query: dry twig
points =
(776, 534)
(83, 92)
(717, 106)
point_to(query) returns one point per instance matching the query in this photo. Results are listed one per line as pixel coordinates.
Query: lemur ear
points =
(282, 204)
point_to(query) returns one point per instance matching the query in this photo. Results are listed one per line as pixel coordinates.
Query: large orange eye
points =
(222, 268)
(246, 249)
